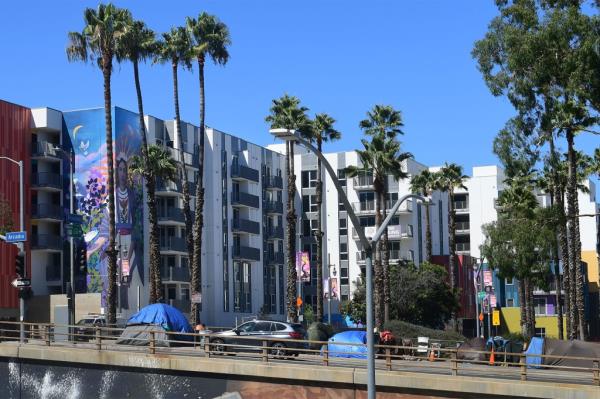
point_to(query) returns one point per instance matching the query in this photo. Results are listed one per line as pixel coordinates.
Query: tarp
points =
(576, 348)
(475, 344)
(160, 314)
(357, 351)
(536, 347)
(139, 335)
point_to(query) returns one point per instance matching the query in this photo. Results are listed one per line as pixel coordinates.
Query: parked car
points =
(85, 328)
(280, 337)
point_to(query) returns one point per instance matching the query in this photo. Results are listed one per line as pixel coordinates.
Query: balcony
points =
(46, 180)
(275, 258)
(244, 199)
(46, 242)
(463, 247)
(395, 232)
(241, 172)
(368, 207)
(184, 305)
(245, 253)
(167, 187)
(53, 273)
(173, 244)
(462, 227)
(45, 149)
(245, 226)
(364, 182)
(395, 256)
(461, 206)
(274, 207)
(176, 155)
(274, 183)
(175, 273)
(174, 215)
(275, 233)
(46, 212)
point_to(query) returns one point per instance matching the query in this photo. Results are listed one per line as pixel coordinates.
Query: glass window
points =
(247, 327)
(262, 326)
(540, 332)
(343, 227)
(510, 303)
(279, 327)
(510, 281)
(540, 305)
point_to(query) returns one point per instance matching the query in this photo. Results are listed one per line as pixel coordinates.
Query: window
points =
(344, 276)
(510, 303)
(278, 327)
(185, 294)
(367, 221)
(308, 226)
(342, 177)
(509, 281)
(242, 287)
(344, 297)
(540, 306)
(540, 332)
(262, 326)
(309, 203)
(343, 227)
(343, 251)
(309, 178)
(247, 327)
(395, 221)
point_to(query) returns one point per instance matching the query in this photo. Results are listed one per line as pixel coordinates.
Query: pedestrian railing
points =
(441, 357)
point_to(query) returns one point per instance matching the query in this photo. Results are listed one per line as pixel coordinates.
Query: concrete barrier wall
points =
(40, 309)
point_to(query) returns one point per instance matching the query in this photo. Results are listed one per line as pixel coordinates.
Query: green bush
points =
(402, 329)
(319, 332)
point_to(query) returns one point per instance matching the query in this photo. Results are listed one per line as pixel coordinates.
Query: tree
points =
(6, 216)
(424, 184)
(287, 113)
(356, 308)
(137, 45)
(98, 43)
(322, 131)
(175, 48)
(156, 162)
(450, 178)
(382, 157)
(210, 38)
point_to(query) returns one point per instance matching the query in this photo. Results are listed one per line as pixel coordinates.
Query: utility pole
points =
(329, 288)
(22, 248)
(71, 245)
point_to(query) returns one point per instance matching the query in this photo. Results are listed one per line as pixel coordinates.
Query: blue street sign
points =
(75, 218)
(16, 236)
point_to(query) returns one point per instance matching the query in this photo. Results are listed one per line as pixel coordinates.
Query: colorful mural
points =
(87, 134)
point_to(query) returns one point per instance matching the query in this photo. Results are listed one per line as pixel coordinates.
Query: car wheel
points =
(218, 345)
(278, 349)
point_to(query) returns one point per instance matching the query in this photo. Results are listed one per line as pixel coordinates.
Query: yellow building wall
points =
(510, 319)
(591, 258)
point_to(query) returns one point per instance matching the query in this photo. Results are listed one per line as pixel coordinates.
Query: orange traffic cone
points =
(492, 357)
(431, 356)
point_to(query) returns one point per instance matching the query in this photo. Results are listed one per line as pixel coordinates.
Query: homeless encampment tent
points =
(475, 344)
(576, 348)
(533, 352)
(160, 318)
(357, 348)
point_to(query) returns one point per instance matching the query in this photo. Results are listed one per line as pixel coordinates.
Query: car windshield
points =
(85, 321)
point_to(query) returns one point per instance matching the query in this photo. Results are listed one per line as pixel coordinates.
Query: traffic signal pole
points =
(71, 302)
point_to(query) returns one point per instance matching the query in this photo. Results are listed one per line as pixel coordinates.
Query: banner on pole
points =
(303, 266)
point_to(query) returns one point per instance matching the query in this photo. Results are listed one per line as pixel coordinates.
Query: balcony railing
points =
(184, 305)
(246, 253)
(240, 225)
(176, 244)
(274, 182)
(175, 273)
(463, 247)
(46, 179)
(462, 226)
(395, 255)
(176, 155)
(167, 186)
(171, 215)
(365, 181)
(46, 211)
(275, 258)
(244, 199)
(44, 149)
(370, 206)
(53, 273)
(46, 241)
(275, 232)
(274, 207)
(244, 173)
(395, 232)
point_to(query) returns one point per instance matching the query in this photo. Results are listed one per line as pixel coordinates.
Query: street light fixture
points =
(368, 245)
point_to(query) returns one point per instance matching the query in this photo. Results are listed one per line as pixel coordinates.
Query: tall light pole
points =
(21, 245)
(293, 135)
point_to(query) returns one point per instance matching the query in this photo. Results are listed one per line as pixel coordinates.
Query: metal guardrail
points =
(435, 358)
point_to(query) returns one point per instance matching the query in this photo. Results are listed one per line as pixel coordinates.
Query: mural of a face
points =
(122, 173)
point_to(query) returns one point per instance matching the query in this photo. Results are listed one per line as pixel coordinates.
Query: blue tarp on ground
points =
(536, 347)
(358, 351)
(160, 314)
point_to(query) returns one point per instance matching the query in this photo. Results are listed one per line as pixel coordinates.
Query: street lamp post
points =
(368, 245)
(21, 245)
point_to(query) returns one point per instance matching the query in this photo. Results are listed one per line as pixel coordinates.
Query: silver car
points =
(278, 333)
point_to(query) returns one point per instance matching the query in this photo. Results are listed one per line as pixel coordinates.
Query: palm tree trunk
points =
(428, 244)
(385, 260)
(523, 308)
(292, 276)
(319, 237)
(555, 244)
(530, 307)
(567, 267)
(183, 176)
(196, 283)
(154, 269)
(111, 253)
(378, 286)
(452, 250)
(574, 238)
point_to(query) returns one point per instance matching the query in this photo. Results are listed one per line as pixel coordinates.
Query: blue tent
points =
(169, 318)
(356, 351)
(536, 347)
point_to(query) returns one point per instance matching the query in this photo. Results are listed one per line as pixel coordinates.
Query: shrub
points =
(402, 329)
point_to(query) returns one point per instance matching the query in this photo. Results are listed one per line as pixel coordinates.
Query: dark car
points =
(86, 327)
(279, 335)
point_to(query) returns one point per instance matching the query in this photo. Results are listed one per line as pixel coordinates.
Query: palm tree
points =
(210, 38)
(287, 113)
(382, 157)
(98, 43)
(322, 131)
(424, 184)
(139, 44)
(175, 48)
(155, 162)
(385, 121)
(451, 177)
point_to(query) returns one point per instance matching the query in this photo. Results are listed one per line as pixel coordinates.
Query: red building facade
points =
(15, 143)
(463, 270)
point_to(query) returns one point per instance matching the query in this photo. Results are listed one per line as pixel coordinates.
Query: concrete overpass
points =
(30, 370)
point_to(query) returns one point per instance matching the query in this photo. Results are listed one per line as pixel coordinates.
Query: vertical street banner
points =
(303, 266)
(327, 282)
(487, 278)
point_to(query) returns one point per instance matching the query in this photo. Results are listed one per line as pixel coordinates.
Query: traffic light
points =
(82, 259)
(20, 264)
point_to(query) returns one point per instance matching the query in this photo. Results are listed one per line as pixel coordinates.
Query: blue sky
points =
(339, 56)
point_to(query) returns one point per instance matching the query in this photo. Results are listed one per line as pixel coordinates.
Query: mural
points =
(87, 134)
